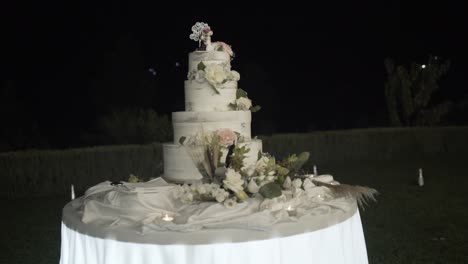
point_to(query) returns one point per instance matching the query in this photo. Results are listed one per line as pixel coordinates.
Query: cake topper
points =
(202, 32)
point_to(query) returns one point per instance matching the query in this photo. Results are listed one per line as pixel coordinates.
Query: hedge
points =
(51, 172)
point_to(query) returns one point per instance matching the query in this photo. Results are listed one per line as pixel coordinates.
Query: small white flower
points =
(297, 183)
(230, 203)
(271, 173)
(252, 187)
(287, 184)
(186, 188)
(270, 178)
(200, 76)
(187, 197)
(235, 76)
(201, 189)
(178, 191)
(220, 195)
(243, 103)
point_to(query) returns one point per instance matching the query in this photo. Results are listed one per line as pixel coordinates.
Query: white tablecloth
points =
(339, 243)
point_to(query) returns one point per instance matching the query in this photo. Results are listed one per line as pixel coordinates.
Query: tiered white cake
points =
(211, 103)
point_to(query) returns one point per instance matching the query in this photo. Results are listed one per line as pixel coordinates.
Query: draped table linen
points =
(123, 225)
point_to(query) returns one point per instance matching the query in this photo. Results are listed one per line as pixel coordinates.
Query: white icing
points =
(179, 167)
(208, 57)
(189, 123)
(255, 145)
(202, 97)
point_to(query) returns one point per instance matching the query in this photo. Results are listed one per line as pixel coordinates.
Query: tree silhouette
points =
(409, 93)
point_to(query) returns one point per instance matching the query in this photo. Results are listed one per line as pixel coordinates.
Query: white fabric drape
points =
(341, 243)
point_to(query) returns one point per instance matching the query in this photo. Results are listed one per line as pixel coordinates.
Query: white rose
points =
(252, 187)
(235, 76)
(215, 74)
(262, 164)
(230, 203)
(233, 181)
(297, 183)
(243, 103)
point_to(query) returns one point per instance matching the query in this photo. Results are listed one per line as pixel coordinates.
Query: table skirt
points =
(341, 243)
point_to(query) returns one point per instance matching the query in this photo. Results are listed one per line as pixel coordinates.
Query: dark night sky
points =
(318, 67)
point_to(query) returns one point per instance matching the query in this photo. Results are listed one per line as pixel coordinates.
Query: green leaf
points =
(201, 66)
(240, 93)
(254, 109)
(182, 140)
(270, 190)
(301, 160)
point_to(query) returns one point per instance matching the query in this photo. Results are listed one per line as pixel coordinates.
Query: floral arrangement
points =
(219, 157)
(215, 74)
(243, 102)
(221, 46)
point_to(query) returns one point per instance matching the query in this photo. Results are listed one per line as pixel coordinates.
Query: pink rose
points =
(227, 137)
(219, 45)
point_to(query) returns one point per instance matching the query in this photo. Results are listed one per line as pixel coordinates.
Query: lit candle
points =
(420, 178)
(72, 192)
(167, 218)
(291, 211)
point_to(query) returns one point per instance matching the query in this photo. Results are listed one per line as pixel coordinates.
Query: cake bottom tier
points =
(179, 167)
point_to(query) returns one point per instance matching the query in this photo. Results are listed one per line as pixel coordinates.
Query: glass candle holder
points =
(167, 218)
(291, 211)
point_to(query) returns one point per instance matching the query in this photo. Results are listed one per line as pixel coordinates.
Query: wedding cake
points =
(213, 104)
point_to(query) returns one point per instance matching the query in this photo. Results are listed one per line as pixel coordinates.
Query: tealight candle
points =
(167, 218)
(291, 211)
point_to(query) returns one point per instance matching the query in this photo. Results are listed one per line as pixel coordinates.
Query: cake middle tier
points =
(201, 97)
(180, 168)
(187, 124)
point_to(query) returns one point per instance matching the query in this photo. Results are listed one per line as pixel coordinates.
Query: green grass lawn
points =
(408, 224)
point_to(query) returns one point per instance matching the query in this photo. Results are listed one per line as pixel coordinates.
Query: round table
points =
(334, 238)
